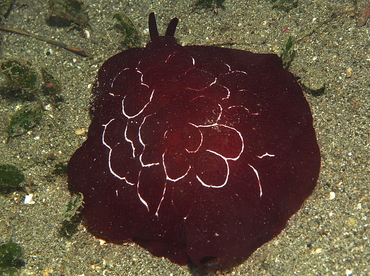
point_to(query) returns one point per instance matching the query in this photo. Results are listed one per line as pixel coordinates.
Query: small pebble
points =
(349, 73)
(80, 131)
(28, 199)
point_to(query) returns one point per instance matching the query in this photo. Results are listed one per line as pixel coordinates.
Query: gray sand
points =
(328, 236)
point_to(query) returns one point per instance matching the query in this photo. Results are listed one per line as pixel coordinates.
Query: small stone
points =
(349, 73)
(80, 131)
(351, 222)
(48, 107)
(313, 79)
(28, 199)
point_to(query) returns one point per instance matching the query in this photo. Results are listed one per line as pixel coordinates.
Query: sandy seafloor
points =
(328, 236)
